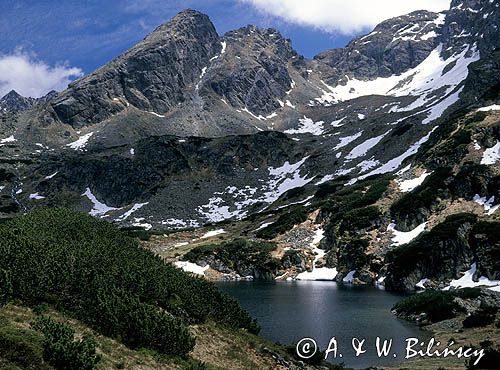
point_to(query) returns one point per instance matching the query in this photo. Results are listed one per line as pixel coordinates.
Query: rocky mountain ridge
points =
(13, 102)
(375, 139)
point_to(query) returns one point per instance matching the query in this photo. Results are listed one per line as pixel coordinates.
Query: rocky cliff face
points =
(13, 102)
(253, 73)
(392, 48)
(152, 76)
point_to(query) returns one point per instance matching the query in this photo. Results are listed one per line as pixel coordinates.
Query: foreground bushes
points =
(438, 305)
(60, 348)
(90, 268)
(284, 223)
(239, 255)
(20, 348)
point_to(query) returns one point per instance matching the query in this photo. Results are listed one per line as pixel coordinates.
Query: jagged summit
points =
(12, 94)
(188, 23)
(14, 102)
(151, 76)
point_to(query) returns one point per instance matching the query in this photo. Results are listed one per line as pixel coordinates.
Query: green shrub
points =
(467, 293)
(352, 253)
(236, 254)
(359, 195)
(482, 317)
(90, 269)
(21, 348)
(5, 287)
(438, 305)
(490, 229)
(61, 350)
(284, 223)
(360, 218)
(490, 360)
(198, 365)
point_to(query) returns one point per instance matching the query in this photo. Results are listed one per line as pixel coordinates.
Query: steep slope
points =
(392, 48)
(151, 76)
(13, 102)
(110, 143)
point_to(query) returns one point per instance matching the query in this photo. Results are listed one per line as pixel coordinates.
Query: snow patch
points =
(364, 147)
(9, 139)
(421, 283)
(401, 237)
(349, 277)
(367, 165)
(143, 225)
(408, 185)
(338, 123)
(307, 125)
(491, 155)
(81, 142)
(51, 176)
(466, 281)
(98, 208)
(347, 140)
(489, 108)
(489, 208)
(438, 109)
(134, 208)
(191, 267)
(180, 224)
(264, 225)
(212, 233)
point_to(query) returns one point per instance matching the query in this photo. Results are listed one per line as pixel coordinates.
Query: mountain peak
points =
(187, 22)
(189, 13)
(15, 102)
(152, 76)
(12, 94)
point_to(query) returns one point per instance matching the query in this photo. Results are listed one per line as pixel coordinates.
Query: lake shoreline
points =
(289, 311)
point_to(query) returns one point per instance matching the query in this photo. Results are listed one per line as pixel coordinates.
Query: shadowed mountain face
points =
(189, 128)
(152, 76)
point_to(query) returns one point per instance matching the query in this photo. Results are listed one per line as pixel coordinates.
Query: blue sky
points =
(88, 33)
(47, 43)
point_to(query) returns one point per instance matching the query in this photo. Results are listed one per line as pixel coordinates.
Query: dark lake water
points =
(290, 311)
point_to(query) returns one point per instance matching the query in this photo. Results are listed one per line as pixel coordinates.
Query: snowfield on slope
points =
(234, 202)
(467, 281)
(421, 80)
(402, 237)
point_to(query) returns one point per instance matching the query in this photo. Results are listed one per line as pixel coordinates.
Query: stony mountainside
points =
(13, 102)
(380, 141)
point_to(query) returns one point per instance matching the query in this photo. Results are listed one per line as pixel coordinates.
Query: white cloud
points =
(347, 17)
(30, 77)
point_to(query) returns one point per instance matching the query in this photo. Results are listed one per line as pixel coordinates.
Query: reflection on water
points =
(290, 311)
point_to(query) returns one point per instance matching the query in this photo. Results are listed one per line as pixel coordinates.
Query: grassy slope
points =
(218, 347)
